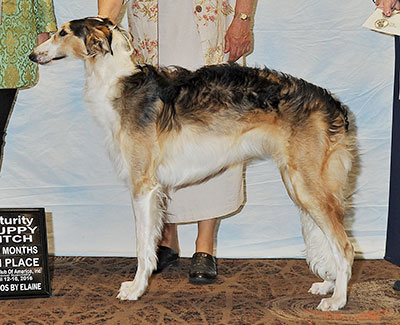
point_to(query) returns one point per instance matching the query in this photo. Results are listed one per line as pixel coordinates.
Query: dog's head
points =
(81, 38)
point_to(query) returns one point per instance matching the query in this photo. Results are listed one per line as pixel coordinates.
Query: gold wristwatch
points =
(243, 16)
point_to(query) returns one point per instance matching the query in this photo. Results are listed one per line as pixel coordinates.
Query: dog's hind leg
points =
(330, 255)
(148, 222)
(319, 195)
(319, 256)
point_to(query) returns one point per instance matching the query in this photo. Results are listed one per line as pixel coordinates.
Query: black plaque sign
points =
(24, 269)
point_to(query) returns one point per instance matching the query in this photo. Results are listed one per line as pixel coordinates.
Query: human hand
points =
(238, 39)
(42, 37)
(387, 6)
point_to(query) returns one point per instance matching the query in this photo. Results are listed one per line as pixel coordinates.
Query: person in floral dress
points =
(191, 34)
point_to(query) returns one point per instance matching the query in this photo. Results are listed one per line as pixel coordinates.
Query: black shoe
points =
(166, 256)
(203, 269)
(396, 285)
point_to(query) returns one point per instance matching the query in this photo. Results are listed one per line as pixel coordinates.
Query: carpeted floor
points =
(247, 292)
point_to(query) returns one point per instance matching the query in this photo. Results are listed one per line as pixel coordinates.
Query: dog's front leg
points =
(149, 220)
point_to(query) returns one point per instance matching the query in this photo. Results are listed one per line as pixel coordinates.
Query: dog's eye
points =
(63, 32)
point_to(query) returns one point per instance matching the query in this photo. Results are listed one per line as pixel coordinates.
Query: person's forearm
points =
(244, 7)
(109, 8)
(238, 37)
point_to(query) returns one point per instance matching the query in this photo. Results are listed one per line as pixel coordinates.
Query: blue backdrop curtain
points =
(55, 158)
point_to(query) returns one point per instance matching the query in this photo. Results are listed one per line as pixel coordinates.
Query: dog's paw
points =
(331, 304)
(129, 291)
(322, 288)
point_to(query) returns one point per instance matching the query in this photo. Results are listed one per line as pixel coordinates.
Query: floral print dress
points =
(212, 19)
(189, 35)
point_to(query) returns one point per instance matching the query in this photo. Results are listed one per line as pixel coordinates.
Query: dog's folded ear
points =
(98, 41)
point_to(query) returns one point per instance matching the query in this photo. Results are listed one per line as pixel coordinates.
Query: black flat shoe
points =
(166, 256)
(203, 269)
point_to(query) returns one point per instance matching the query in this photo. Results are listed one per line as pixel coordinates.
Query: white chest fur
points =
(98, 94)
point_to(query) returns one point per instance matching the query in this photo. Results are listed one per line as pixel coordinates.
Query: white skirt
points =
(179, 44)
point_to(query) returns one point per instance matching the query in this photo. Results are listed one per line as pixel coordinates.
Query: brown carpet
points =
(247, 292)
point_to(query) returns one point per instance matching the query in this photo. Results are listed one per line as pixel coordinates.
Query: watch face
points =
(243, 16)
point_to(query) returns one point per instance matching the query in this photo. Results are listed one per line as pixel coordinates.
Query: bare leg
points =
(203, 267)
(170, 236)
(205, 236)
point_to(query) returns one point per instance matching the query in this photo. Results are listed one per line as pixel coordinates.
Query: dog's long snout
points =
(42, 54)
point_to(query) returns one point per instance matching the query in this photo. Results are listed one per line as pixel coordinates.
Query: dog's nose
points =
(33, 57)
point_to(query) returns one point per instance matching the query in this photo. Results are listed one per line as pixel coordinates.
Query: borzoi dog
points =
(167, 128)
